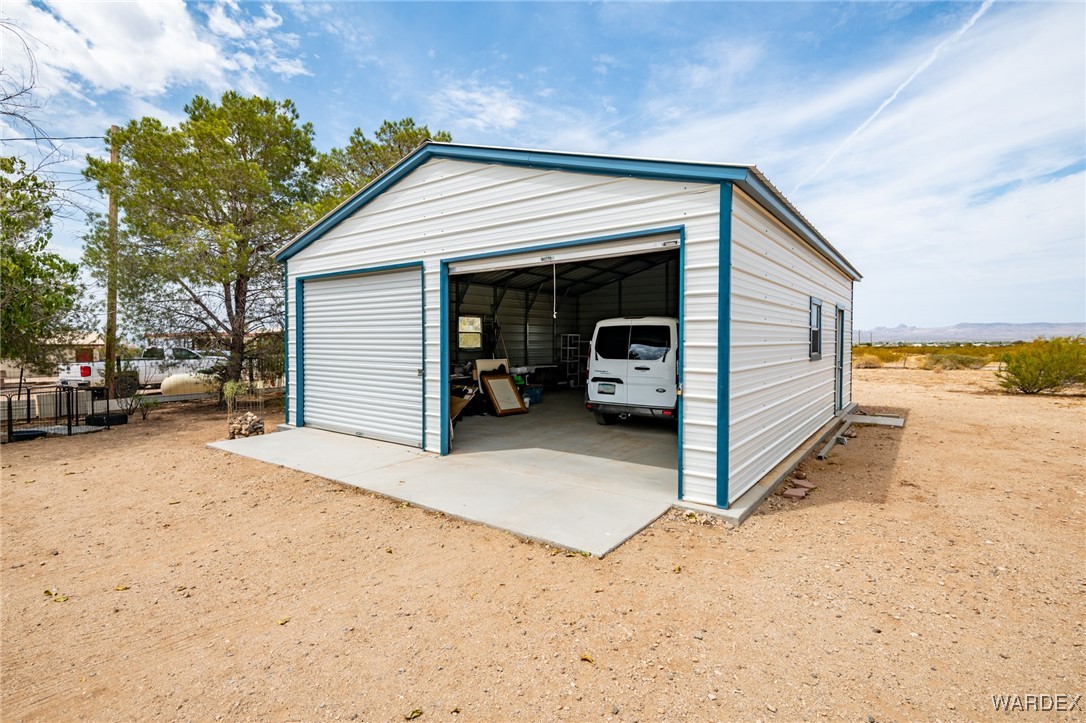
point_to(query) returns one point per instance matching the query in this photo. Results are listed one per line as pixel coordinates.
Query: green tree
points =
(345, 170)
(205, 205)
(39, 290)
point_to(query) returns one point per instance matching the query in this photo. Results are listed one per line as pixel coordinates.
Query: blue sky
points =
(941, 147)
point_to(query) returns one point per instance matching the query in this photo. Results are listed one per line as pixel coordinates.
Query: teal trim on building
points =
(747, 177)
(724, 348)
(730, 179)
(680, 230)
(299, 344)
(443, 305)
(681, 352)
(286, 351)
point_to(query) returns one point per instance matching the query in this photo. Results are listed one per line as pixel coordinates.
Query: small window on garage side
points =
(470, 329)
(816, 329)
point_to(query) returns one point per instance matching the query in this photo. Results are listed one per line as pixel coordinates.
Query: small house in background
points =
(460, 252)
(87, 348)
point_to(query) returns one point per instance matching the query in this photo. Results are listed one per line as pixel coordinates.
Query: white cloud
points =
(951, 187)
(100, 63)
(932, 57)
(306, 10)
(220, 23)
(144, 49)
(925, 187)
(603, 63)
(710, 69)
(478, 107)
(136, 47)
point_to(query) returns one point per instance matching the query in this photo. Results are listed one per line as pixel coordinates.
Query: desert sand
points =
(934, 567)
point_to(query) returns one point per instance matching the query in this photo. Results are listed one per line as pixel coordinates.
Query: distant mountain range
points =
(968, 332)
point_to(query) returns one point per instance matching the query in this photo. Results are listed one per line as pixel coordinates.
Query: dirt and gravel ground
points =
(934, 567)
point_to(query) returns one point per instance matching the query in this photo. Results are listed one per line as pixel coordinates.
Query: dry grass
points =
(867, 361)
(949, 362)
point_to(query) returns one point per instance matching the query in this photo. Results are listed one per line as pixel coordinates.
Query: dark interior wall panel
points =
(533, 338)
(479, 300)
(653, 292)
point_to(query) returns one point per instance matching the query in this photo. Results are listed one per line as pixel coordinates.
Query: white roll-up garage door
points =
(361, 357)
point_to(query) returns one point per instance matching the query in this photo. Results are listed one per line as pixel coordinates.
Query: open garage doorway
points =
(537, 320)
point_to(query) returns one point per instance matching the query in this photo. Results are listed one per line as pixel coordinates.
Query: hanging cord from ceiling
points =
(554, 291)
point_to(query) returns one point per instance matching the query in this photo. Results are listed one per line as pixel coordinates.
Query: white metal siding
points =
(362, 340)
(447, 209)
(778, 395)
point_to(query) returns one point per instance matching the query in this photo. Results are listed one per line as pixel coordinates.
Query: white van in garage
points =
(632, 368)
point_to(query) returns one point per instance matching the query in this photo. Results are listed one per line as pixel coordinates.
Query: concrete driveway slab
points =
(571, 500)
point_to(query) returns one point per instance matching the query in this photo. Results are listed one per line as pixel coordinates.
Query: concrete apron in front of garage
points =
(574, 501)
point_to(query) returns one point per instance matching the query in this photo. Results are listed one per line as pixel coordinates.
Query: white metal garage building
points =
(550, 243)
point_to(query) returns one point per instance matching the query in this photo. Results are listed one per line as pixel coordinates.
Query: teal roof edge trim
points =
(758, 187)
(747, 177)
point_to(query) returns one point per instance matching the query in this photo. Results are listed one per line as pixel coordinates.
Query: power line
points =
(57, 138)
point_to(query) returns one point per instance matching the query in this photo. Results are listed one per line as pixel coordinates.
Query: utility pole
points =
(111, 272)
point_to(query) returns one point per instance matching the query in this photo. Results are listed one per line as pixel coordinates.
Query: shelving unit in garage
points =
(570, 359)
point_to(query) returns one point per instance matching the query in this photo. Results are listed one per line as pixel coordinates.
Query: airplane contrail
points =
(893, 96)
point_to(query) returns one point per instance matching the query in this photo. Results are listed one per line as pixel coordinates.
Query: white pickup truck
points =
(152, 366)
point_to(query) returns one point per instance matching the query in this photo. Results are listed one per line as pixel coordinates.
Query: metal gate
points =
(361, 356)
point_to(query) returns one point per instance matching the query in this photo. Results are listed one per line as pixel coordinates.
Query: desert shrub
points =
(1044, 365)
(126, 389)
(950, 361)
(230, 393)
(867, 361)
(136, 402)
(146, 405)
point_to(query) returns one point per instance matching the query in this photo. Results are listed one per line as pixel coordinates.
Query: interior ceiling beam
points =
(529, 300)
(596, 267)
(499, 295)
(620, 267)
(466, 281)
(642, 264)
(531, 274)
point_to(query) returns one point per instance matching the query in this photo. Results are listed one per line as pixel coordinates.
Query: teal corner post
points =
(425, 371)
(724, 339)
(679, 408)
(443, 304)
(286, 349)
(299, 346)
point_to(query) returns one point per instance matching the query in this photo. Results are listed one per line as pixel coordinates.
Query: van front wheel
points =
(602, 418)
